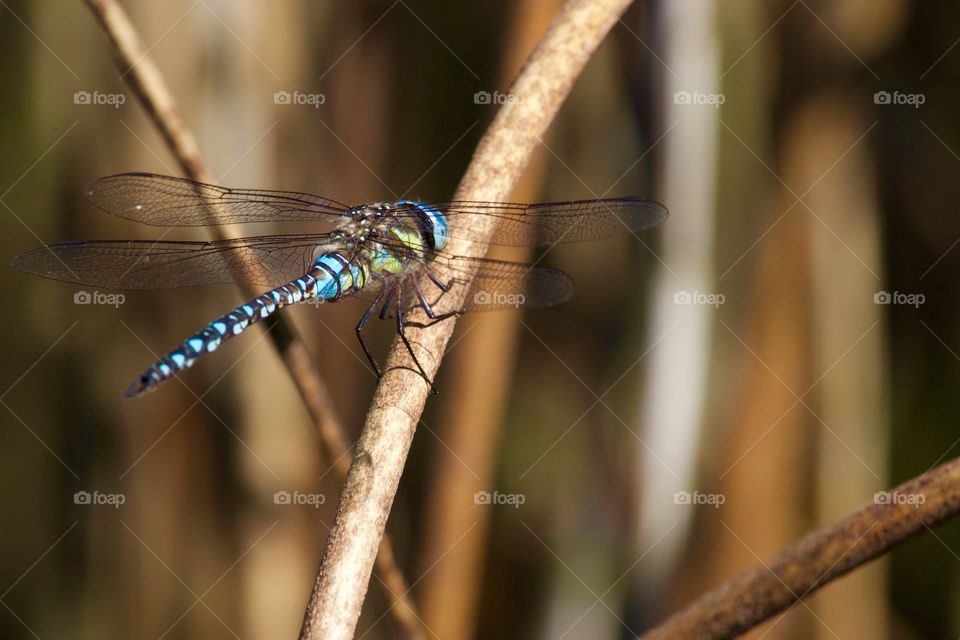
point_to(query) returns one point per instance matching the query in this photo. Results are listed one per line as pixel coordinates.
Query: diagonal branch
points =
(498, 162)
(794, 573)
(142, 75)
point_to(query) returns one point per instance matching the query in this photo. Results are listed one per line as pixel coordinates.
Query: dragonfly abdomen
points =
(330, 277)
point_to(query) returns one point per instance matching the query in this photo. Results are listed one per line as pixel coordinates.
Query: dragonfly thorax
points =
(367, 222)
(404, 224)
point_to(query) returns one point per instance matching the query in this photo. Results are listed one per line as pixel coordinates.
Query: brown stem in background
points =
(794, 573)
(146, 82)
(497, 165)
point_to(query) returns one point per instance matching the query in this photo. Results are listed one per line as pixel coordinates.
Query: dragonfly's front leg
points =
(425, 305)
(444, 287)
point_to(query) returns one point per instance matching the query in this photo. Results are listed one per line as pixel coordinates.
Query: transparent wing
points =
(165, 201)
(171, 202)
(497, 285)
(511, 285)
(145, 264)
(549, 223)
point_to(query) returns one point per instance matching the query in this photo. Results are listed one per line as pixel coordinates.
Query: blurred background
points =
(779, 351)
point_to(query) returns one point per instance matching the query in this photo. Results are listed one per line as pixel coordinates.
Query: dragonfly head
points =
(432, 224)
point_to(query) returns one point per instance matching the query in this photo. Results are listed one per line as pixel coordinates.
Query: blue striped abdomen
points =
(330, 277)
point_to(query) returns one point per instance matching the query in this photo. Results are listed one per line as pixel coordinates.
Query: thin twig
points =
(501, 156)
(794, 573)
(146, 82)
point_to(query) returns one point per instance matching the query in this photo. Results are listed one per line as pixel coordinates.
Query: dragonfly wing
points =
(549, 223)
(145, 264)
(498, 284)
(165, 201)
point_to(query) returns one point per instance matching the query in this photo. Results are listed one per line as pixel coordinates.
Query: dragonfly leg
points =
(387, 304)
(401, 329)
(362, 324)
(445, 287)
(434, 317)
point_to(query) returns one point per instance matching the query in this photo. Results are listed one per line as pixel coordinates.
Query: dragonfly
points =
(393, 255)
